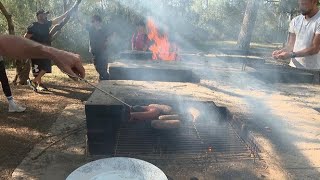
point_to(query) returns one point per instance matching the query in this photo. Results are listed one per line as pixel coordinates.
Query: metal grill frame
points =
(249, 151)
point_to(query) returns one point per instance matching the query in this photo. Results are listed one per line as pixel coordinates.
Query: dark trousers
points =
(40, 64)
(100, 61)
(4, 80)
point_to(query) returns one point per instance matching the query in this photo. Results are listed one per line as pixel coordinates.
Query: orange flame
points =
(161, 49)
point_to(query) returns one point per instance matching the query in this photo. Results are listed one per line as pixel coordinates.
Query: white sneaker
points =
(16, 108)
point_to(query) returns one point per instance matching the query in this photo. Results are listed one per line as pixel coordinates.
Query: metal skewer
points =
(103, 91)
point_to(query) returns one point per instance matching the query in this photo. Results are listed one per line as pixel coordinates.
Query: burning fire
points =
(161, 49)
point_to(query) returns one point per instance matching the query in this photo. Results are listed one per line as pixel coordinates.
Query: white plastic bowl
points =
(118, 168)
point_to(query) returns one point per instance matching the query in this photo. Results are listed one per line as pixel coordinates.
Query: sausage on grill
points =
(149, 113)
(164, 109)
(169, 117)
(165, 124)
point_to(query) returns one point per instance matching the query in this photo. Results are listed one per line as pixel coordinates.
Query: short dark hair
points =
(41, 11)
(96, 18)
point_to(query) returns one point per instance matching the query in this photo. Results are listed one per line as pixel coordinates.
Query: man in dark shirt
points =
(98, 36)
(39, 32)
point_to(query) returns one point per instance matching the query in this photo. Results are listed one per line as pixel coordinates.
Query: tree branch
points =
(8, 17)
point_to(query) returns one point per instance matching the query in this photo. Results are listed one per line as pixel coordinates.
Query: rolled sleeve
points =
(292, 26)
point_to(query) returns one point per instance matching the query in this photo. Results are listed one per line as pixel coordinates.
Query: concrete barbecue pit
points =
(151, 70)
(135, 65)
(179, 153)
(215, 134)
(280, 73)
(136, 55)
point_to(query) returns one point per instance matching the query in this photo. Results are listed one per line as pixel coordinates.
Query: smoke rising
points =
(212, 70)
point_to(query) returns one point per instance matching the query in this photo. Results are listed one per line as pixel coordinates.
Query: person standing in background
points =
(39, 32)
(304, 39)
(140, 40)
(98, 44)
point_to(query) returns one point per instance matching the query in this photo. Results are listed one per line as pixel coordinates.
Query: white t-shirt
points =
(305, 30)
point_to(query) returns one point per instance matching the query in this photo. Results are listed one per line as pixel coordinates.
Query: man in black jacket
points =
(39, 32)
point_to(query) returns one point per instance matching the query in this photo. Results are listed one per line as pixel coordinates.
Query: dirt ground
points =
(21, 131)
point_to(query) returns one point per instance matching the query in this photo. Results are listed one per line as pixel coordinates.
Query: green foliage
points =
(221, 19)
(194, 20)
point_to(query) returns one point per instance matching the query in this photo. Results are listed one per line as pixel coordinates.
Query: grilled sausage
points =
(165, 109)
(149, 113)
(165, 124)
(169, 117)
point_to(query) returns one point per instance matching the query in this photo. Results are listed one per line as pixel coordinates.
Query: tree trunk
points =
(248, 23)
(8, 18)
(22, 67)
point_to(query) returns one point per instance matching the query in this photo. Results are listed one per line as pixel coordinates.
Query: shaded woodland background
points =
(196, 25)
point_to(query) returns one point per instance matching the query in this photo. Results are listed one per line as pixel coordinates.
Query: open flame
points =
(162, 49)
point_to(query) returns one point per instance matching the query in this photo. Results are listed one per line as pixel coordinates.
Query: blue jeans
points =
(100, 61)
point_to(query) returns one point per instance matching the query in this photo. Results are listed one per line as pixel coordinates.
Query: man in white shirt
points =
(304, 39)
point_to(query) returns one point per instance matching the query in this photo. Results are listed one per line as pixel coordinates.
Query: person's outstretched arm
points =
(22, 48)
(74, 8)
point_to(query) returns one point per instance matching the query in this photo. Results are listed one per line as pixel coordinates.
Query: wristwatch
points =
(293, 55)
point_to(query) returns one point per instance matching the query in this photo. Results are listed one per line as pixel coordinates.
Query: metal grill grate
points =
(193, 140)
